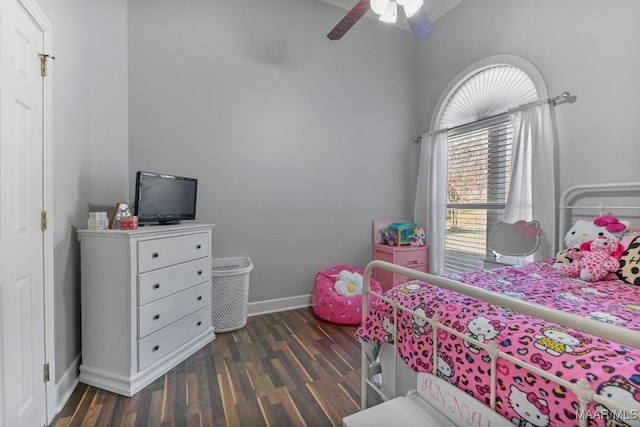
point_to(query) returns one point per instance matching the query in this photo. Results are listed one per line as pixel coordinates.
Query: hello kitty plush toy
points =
(583, 232)
(595, 264)
(418, 237)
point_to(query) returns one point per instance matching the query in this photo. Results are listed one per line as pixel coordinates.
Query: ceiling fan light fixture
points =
(403, 2)
(379, 6)
(411, 7)
(390, 15)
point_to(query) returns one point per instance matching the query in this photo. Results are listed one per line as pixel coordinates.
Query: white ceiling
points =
(435, 9)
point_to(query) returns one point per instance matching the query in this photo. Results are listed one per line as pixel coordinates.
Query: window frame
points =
(494, 210)
(436, 120)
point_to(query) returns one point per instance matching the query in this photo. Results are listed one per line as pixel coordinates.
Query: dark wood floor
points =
(282, 369)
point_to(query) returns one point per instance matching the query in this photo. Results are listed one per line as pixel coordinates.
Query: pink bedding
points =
(522, 397)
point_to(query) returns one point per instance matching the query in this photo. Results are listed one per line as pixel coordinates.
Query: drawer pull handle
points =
(199, 323)
(156, 317)
(199, 272)
(156, 286)
(156, 348)
(200, 298)
(198, 246)
(412, 261)
(155, 255)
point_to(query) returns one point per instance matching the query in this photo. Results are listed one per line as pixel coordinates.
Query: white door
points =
(22, 352)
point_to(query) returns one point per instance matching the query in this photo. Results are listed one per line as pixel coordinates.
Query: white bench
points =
(435, 403)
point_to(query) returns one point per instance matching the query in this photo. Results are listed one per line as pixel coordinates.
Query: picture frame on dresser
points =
(415, 257)
(120, 210)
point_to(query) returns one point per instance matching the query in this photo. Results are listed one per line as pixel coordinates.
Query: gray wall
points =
(90, 145)
(298, 142)
(587, 47)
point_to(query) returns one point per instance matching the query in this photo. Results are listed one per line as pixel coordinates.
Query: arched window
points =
(474, 109)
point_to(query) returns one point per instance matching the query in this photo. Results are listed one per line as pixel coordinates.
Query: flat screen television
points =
(165, 199)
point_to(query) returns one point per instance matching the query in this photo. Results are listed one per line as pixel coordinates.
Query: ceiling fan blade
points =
(420, 24)
(349, 20)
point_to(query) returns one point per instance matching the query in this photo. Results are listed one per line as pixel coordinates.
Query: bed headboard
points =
(621, 199)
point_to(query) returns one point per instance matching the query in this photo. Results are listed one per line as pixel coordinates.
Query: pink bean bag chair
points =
(336, 297)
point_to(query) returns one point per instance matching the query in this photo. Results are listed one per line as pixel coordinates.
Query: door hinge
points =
(43, 63)
(46, 372)
(43, 220)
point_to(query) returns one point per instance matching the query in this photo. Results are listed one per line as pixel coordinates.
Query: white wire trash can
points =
(230, 292)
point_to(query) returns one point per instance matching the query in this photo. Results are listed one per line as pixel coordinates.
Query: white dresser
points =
(146, 302)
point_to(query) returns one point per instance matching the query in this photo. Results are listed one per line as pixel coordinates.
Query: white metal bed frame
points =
(578, 191)
(607, 331)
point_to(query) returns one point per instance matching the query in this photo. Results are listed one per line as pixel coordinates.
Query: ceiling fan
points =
(388, 11)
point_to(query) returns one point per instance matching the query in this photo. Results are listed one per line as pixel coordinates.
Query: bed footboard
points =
(581, 388)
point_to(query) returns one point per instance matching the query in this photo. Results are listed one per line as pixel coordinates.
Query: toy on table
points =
(387, 237)
(403, 231)
(417, 239)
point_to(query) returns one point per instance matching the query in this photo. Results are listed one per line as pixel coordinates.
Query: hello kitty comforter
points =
(612, 369)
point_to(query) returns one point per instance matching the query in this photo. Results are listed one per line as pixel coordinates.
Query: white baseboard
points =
(67, 384)
(281, 304)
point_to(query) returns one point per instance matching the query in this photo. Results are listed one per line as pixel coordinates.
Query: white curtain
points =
(431, 195)
(532, 186)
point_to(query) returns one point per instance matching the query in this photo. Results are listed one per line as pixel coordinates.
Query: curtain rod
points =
(563, 97)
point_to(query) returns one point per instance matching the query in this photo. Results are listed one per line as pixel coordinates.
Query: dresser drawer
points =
(383, 254)
(160, 313)
(159, 253)
(164, 341)
(406, 256)
(157, 284)
(410, 257)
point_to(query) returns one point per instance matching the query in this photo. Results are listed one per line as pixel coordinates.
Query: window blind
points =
(486, 93)
(478, 184)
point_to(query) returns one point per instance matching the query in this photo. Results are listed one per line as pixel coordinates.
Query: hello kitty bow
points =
(524, 228)
(497, 325)
(611, 223)
(532, 398)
